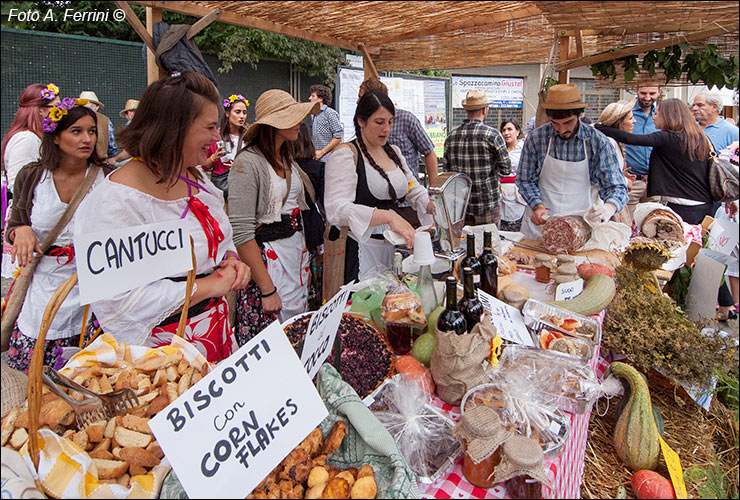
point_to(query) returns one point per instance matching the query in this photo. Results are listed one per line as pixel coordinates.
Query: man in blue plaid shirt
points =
(327, 130)
(479, 151)
(562, 160)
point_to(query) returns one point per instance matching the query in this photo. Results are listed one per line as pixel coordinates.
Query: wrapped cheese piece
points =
(565, 234)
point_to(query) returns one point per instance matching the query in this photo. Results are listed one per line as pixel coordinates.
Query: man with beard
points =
(637, 158)
(562, 161)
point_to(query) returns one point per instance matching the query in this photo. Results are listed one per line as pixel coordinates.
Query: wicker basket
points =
(37, 360)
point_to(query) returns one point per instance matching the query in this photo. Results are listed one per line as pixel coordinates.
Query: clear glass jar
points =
(479, 474)
(523, 487)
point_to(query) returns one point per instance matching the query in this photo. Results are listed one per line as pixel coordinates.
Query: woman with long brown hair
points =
(43, 191)
(679, 170)
(176, 122)
(221, 154)
(266, 200)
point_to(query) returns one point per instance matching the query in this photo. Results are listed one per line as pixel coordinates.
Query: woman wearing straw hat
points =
(265, 203)
(618, 115)
(175, 123)
(368, 179)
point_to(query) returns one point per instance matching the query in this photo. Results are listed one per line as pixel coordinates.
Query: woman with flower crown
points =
(21, 145)
(232, 127)
(43, 189)
(175, 123)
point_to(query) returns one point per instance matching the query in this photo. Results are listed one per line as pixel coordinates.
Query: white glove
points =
(599, 214)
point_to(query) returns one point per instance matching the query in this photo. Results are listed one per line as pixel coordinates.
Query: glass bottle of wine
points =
(489, 266)
(469, 305)
(451, 319)
(471, 260)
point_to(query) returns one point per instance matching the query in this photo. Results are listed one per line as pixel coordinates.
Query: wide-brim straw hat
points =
(475, 99)
(564, 96)
(131, 105)
(90, 96)
(278, 109)
(615, 112)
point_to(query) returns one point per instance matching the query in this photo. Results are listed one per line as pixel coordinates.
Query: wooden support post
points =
(153, 71)
(370, 70)
(579, 43)
(564, 42)
(202, 23)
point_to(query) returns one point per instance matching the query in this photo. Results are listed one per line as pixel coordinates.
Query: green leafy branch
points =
(706, 65)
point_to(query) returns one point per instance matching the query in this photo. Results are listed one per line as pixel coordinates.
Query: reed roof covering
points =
(450, 34)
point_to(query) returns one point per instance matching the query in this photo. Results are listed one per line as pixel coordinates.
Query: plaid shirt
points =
(603, 163)
(479, 151)
(325, 127)
(411, 138)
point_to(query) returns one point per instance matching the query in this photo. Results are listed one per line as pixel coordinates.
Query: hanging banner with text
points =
(226, 433)
(322, 330)
(504, 92)
(424, 98)
(111, 262)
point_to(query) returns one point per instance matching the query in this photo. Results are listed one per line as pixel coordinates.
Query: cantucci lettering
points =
(115, 254)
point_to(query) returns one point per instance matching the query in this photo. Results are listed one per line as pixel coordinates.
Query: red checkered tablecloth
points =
(564, 471)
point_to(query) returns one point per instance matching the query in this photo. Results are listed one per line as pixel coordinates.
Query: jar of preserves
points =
(521, 468)
(481, 433)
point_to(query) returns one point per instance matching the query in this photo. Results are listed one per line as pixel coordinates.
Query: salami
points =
(565, 234)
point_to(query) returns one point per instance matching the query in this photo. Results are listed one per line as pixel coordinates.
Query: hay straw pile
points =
(697, 437)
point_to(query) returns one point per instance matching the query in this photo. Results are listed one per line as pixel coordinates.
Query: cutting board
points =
(610, 259)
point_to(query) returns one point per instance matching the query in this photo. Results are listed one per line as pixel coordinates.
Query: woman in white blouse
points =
(176, 122)
(21, 145)
(512, 203)
(267, 197)
(365, 181)
(43, 190)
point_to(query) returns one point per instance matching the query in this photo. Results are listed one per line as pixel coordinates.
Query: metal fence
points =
(116, 71)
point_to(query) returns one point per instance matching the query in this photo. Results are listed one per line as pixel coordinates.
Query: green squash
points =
(636, 437)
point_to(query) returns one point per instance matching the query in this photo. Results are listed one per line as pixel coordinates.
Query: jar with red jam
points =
(481, 433)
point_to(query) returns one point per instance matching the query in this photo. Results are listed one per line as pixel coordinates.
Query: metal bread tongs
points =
(96, 406)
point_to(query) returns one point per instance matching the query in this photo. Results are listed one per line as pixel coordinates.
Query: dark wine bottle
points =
(469, 305)
(471, 260)
(489, 266)
(451, 318)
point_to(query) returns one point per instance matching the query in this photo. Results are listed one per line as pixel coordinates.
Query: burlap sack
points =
(457, 362)
(14, 386)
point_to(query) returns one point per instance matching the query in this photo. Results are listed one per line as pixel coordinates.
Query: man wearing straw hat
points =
(562, 161)
(479, 151)
(126, 113)
(106, 145)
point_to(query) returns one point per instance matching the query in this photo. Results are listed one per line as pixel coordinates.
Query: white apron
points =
(288, 259)
(565, 186)
(374, 255)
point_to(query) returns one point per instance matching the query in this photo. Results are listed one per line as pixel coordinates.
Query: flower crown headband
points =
(59, 110)
(233, 98)
(50, 92)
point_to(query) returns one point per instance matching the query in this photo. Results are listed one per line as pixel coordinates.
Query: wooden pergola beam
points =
(193, 9)
(474, 22)
(629, 30)
(369, 65)
(136, 23)
(645, 47)
(202, 23)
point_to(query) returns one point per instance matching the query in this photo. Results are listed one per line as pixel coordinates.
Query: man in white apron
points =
(560, 163)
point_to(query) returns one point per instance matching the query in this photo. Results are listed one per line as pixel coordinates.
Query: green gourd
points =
(657, 414)
(636, 437)
(595, 297)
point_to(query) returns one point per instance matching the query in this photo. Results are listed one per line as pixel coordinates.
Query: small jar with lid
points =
(542, 267)
(481, 433)
(522, 468)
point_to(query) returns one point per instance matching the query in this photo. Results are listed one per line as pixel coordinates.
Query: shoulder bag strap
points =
(18, 294)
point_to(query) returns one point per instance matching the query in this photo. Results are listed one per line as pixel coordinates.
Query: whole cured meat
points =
(565, 234)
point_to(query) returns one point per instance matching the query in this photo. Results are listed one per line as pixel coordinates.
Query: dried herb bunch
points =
(652, 331)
